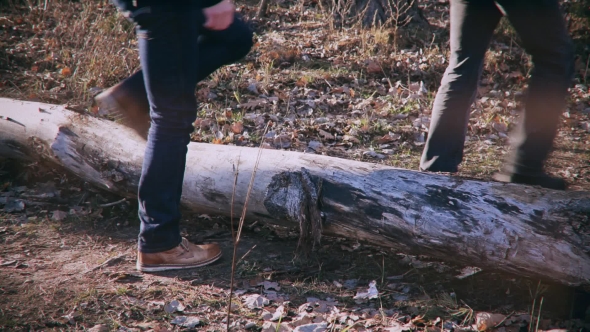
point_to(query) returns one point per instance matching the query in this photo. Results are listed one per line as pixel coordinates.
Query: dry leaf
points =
(373, 67)
(255, 301)
(237, 127)
(485, 320)
(325, 134)
(301, 82)
(388, 138)
(500, 127)
(66, 71)
(350, 138)
(59, 215)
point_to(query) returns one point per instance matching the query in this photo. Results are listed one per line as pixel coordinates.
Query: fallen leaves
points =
(255, 301)
(59, 215)
(369, 294)
(189, 322)
(237, 127)
(99, 328)
(173, 306)
(373, 67)
(325, 134)
(486, 321)
(66, 71)
(388, 138)
(468, 271)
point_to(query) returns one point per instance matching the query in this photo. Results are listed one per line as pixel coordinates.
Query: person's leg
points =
(167, 44)
(472, 26)
(168, 47)
(216, 48)
(541, 27)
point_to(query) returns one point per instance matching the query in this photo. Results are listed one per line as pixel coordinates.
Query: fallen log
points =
(518, 229)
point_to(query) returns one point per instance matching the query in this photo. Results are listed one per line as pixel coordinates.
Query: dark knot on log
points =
(296, 196)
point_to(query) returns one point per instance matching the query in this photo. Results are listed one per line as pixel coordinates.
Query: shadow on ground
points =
(77, 270)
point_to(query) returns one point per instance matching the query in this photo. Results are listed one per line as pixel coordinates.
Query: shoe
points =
(185, 256)
(544, 180)
(132, 113)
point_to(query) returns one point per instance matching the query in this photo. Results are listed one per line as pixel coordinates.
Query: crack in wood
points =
(296, 196)
(9, 119)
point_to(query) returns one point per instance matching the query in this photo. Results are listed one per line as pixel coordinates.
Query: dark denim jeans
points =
(176, 52)
(544, 36)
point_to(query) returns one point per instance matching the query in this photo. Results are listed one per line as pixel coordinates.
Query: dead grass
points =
(65, 49)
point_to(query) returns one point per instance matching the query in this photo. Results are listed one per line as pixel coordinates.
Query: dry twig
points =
(236, 237)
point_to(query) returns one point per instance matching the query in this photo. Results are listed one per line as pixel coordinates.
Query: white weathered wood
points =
(519, 229)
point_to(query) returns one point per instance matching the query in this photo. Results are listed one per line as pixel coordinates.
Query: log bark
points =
(518, 229)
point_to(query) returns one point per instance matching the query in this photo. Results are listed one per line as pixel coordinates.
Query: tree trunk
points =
(519, 229)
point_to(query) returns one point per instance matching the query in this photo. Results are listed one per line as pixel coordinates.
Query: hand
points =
(220, 16)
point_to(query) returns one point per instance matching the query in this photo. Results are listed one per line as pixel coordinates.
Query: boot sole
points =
(168, 267)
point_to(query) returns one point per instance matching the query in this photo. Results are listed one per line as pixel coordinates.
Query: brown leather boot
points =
(132, 113)
(185, 256)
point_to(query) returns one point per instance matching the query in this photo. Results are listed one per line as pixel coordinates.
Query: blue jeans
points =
(176, 52)
(544, 36)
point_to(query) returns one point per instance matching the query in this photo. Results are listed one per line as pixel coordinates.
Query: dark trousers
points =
(176, 52)
(541, 27)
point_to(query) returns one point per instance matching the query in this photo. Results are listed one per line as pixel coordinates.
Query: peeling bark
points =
(519, 229)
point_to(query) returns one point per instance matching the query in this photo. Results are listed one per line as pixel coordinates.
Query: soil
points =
(79, 272)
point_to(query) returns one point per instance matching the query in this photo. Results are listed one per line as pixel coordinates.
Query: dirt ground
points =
(74, 270)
